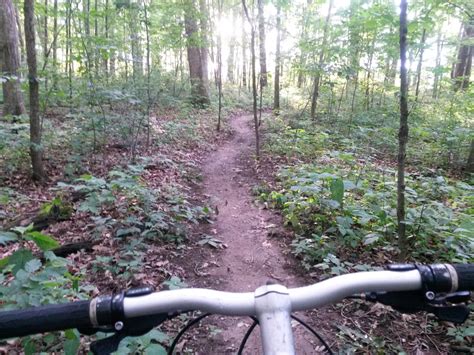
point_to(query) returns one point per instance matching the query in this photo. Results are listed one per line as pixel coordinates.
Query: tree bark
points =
(204, 50)
(437, 76)
(317, 78)
(199, 89)
(302, 58)
(254, 81)
(231, 58)
(136, 45)
(46, 41)
(69, 63)
(403, 133)
(20, 37)
(462, 70)
(219, 67)
(244, 53)
(261, 37)
(36, 149)
(420, 64)
(276, 95)
(470, 160)
(55, 45)
(86, 7)
(10, 60)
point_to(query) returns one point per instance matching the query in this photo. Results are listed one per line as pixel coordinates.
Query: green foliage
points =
(147, 344)
(142, 215)
(336, 209)
(14, 144)
(27, 282)
(20, 257)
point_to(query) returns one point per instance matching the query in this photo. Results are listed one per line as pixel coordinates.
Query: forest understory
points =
(229, 143)
(212, 229)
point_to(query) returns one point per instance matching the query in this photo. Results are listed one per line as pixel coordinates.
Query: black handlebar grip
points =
(43, 319)
(465, 276)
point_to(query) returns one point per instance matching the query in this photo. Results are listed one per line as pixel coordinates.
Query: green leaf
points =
(337, 190)
(468, 332)
(29, 346)
(174, 283)
(125, 232)
(33, 265)
(43, 241)
(153, 349)
(158, 336)
(23, 230)
(6, 237)
(19, 259)
(72, 342)
(371, 238)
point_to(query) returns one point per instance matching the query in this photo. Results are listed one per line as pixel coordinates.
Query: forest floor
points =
(251, 247)
(251, 251)
(244, 246)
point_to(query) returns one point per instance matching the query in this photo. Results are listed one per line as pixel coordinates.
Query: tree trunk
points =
(462, 70)
(254, 80)
(420, 64)
(137, 53)
(46, 41)
(106, 59)
(199, 90)
(20, 37)
(470, 160)
(231, 58)
(276, 96)
(261, 37)
(302, 58)
(36, 149)
(96, 50)
(437, 77)
(403, 133)
(69, 46)
(244, 53)
(148, 75)
(10, 60)
(86, 7)
(219, 67)
(55, 45)
(317, 78)
(204, 50)
(369, 71)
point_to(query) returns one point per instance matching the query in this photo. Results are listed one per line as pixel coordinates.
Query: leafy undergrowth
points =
(337, 194)
(127, 220)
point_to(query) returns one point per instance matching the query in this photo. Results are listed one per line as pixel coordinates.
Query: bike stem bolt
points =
(430, 295)
(118, 326)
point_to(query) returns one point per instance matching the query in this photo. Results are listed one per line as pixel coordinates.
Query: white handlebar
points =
(243, 304)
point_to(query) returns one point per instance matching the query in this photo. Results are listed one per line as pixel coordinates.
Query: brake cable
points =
(328, 349)
(247, 335)
(184, 330)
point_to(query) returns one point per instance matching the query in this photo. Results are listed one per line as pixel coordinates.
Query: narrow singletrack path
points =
(252, 256)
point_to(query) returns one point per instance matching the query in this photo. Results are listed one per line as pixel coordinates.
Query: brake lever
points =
(133, 327)
(449, 307)
(122, 327)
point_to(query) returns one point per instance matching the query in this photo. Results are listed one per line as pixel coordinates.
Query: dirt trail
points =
(252, 257)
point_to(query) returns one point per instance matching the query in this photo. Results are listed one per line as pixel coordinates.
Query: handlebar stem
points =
(273, 308)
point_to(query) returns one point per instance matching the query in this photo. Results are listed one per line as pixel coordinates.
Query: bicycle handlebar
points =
(106, 311)
(465, 274)
(43, 319)
(243, 304)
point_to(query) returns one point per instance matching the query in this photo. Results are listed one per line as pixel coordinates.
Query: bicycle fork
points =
(273, 309)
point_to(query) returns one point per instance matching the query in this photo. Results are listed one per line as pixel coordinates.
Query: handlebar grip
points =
(43, 319)
(465, 276)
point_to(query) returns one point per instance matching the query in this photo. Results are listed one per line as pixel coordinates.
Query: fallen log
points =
(70, 248)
